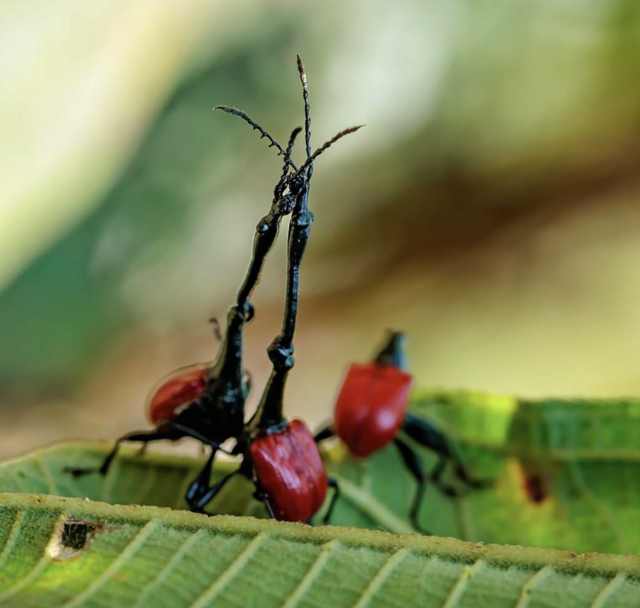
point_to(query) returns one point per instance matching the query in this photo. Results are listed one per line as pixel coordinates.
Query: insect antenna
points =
(279, 189)
(326, 146)
(307, 108)
(272, 142)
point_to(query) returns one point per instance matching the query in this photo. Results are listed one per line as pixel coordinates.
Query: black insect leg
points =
(463, 475)
(430, 437)
(415, 467)
(333, 483)
(436, 479)
(324, 433)
(263, 497)
(143, 436)
(186, 431)
(201, 484)
(205, 498)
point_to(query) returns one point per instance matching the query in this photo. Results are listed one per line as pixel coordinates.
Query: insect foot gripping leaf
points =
(206, 401)
(371, 412)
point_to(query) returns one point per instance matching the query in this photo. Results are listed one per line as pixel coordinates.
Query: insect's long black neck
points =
(267, 229)
(269, 413)
(228, 364)
(228, 368)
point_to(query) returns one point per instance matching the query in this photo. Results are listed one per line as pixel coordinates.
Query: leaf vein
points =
(374, 509)
(527, 588)
(126, 553)
(150, 477)
(40, 565)
(312, 574)
(51, 485)
(381, 576)
(11, 538)
(459, 588)
(229, 572)
(590, 497)
(608, 590)
(171, 564)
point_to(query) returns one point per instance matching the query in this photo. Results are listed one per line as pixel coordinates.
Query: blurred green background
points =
(490, 208)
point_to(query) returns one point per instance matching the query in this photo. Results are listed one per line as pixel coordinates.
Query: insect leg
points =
(263, 497)
(415, 467)
(333, 483)
(435, 477)
(325, 432)
(186, 431)
(199, 505)
(145, 436)
(430, 437)
(200, 485)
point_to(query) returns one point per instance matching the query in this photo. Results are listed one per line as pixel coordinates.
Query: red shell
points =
(176, 389)
(291, 472)
(370, 406)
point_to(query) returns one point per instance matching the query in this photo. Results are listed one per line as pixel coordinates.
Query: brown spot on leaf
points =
(535, 489)
(535, 483)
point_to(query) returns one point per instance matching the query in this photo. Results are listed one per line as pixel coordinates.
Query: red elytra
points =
(289, 468)
(370, 406)
(178, 388)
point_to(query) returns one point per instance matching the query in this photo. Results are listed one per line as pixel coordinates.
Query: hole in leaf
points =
(73, 538)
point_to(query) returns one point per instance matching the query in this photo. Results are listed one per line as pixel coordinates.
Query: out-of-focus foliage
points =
(488, 208)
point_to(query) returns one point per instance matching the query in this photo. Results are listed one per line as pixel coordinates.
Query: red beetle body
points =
(371, 406)
(179, 388)
(289, 469)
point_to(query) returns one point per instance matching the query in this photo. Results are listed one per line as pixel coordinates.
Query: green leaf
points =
(147, 556)
(80, 552)
(583, 455)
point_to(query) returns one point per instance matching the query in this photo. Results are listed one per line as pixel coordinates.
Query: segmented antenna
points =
(273, 143)
(277, 193)
(287, 161)
(327, 145)
(307, 109)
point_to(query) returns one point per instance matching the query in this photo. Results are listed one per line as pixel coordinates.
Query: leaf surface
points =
(81, 551)
(581, 458)
(146, 556)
